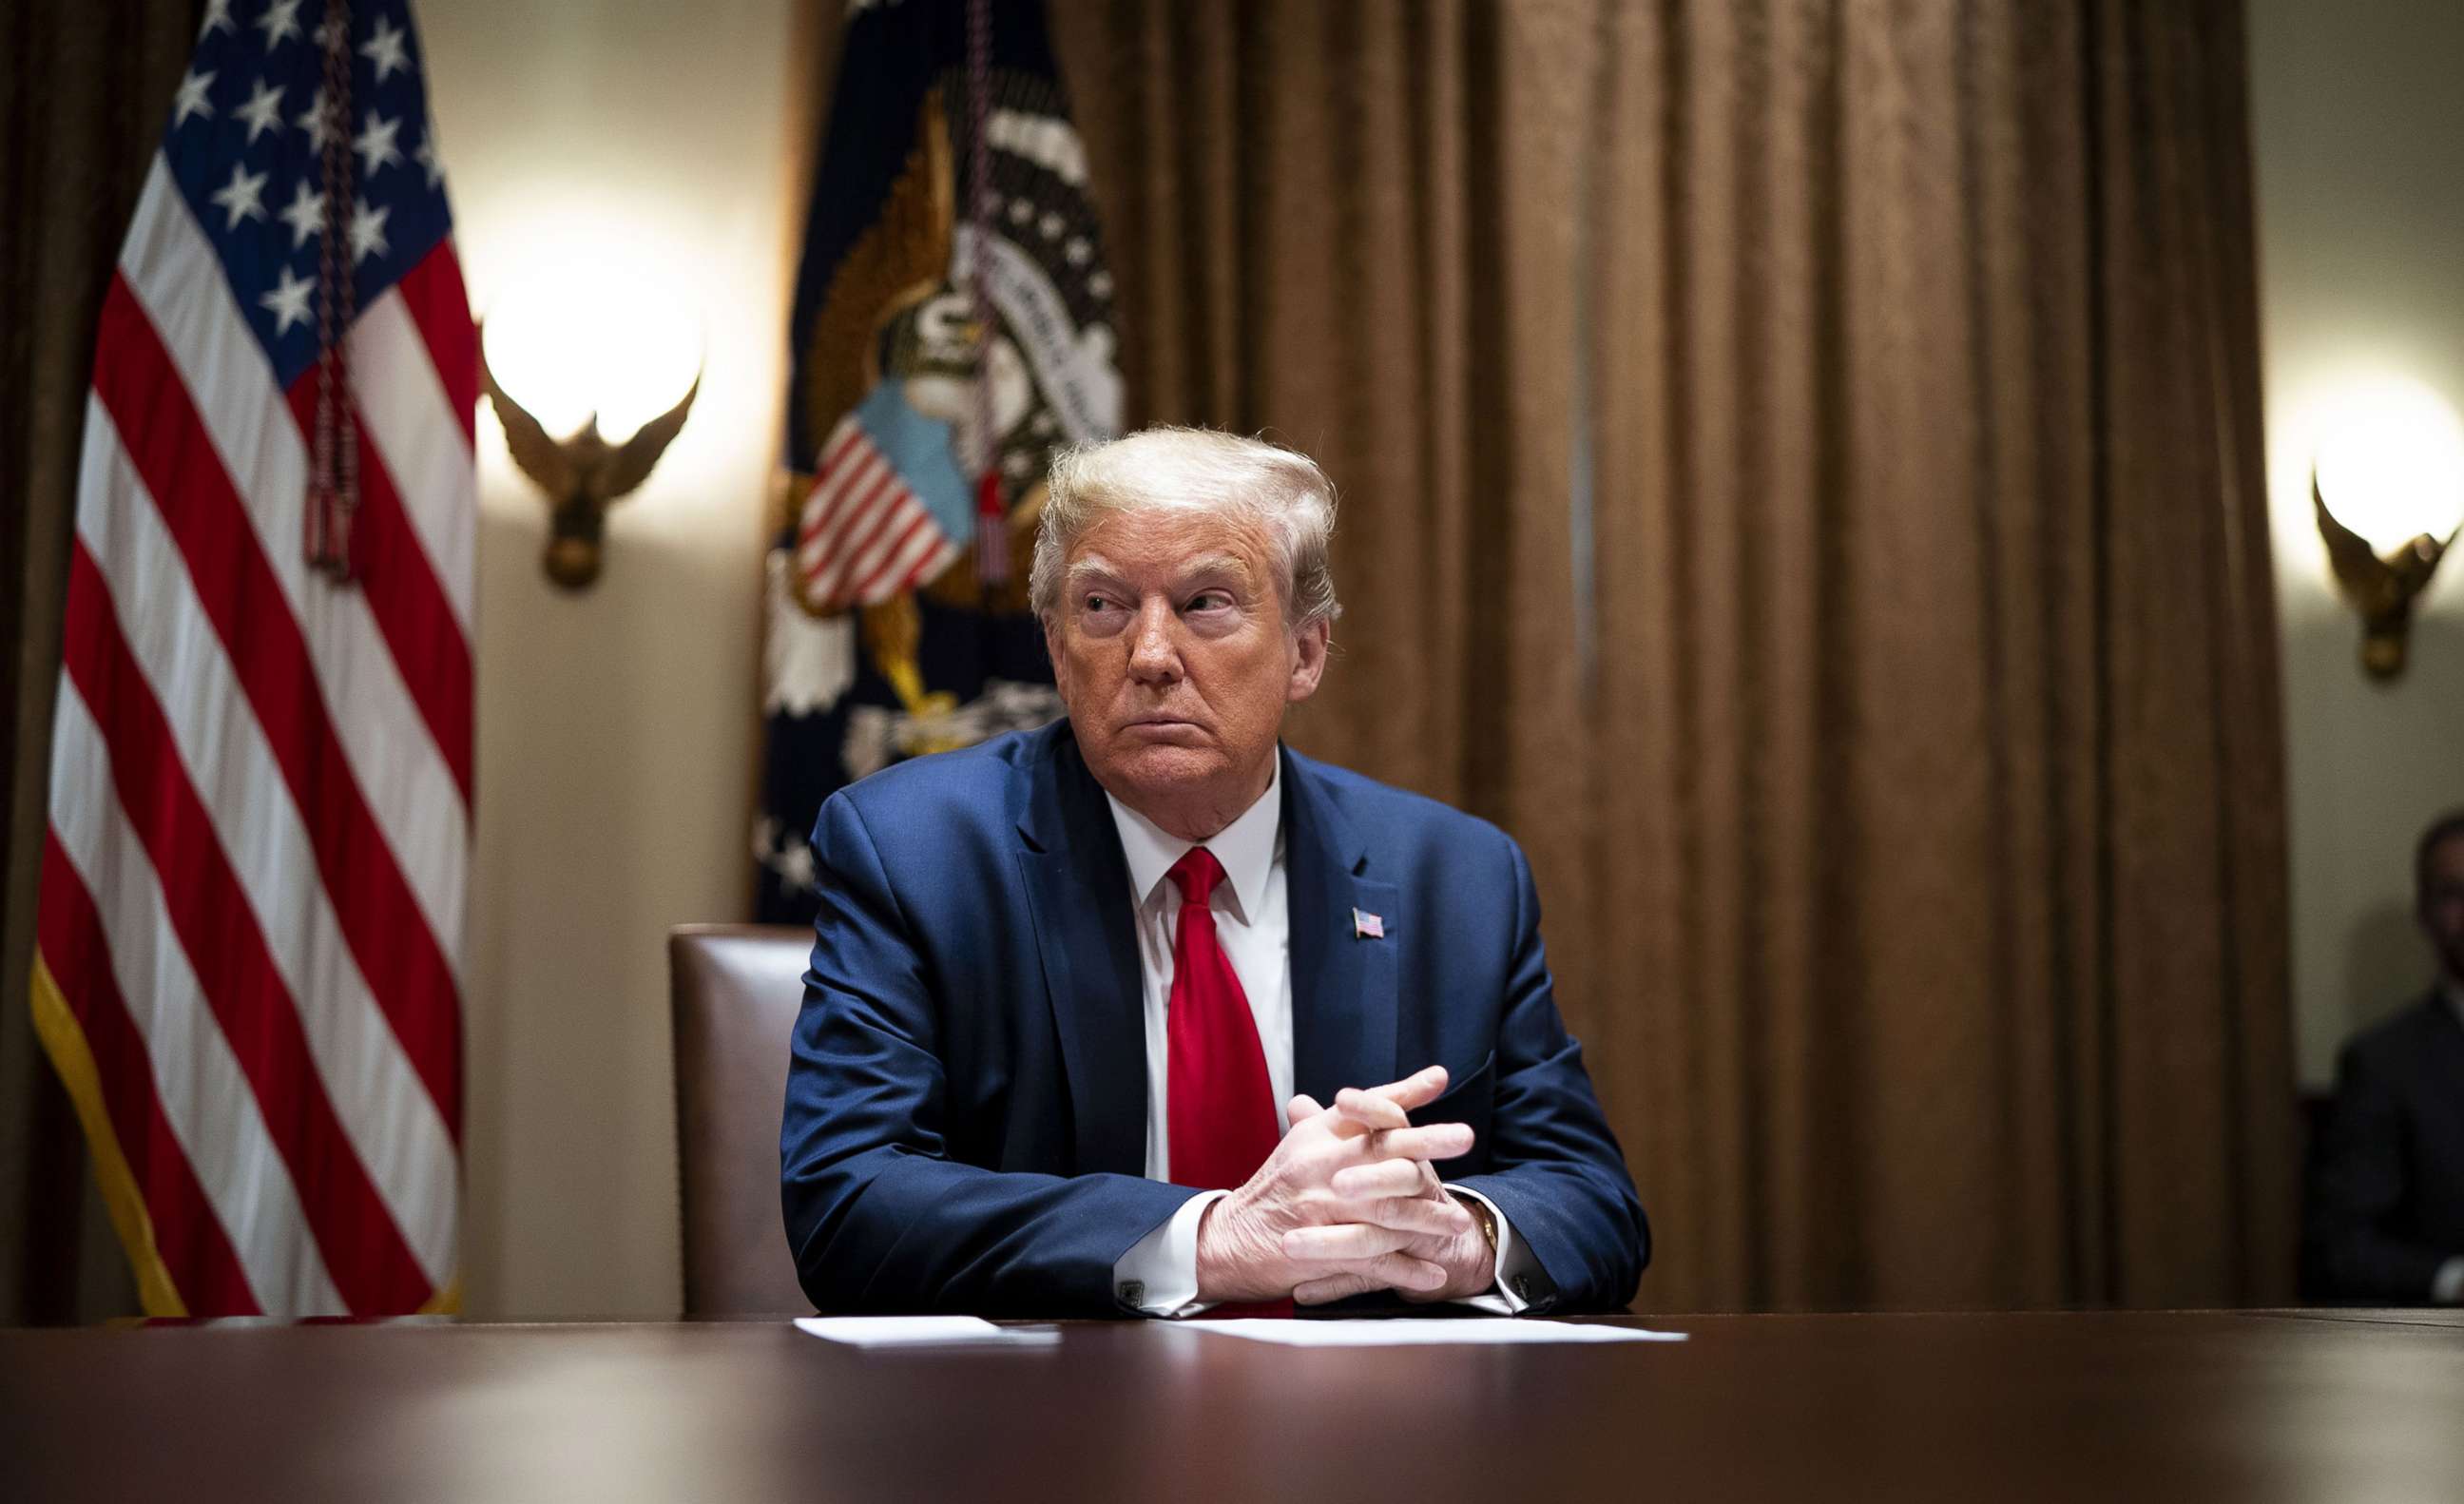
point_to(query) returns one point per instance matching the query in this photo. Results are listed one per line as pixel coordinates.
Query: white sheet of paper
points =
(923, 1330)
(1407, 1333)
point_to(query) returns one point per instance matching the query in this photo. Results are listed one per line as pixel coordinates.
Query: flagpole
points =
(992, 532)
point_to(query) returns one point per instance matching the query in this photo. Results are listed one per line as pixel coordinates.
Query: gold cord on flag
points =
(333, 473)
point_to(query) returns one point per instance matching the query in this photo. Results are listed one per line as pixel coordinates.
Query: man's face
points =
(1172, 653)
(2442, 903)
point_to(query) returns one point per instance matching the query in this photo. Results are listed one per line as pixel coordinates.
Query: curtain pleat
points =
(82, 106)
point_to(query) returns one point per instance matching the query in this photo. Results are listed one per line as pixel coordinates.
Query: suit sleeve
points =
(2357, 1187)
(1558, 1175)
(880, 1219)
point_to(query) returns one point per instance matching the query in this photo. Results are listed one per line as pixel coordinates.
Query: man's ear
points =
(1060, 661)
(1308, 661)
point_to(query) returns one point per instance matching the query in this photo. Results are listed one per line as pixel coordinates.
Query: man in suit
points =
(2387, 1184)
(1145, 1013)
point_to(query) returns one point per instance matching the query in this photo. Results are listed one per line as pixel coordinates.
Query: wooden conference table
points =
(2341, 1405)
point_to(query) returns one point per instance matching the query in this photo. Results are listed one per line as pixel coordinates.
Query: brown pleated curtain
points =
(1801, 471)
(83, 96)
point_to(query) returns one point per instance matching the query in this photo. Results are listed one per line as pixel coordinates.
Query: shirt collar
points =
(1246, 847)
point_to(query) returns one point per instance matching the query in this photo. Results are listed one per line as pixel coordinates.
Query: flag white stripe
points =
(894, 535)
(205, 1097)
(926, 543)
(841, 438)
(854, 563)
(844, 439)
(817, 545)
(833, 468)
(409, 790)
(411, 422)
(946, 557)
(840, 491)
(857, 518)
(382, 1106)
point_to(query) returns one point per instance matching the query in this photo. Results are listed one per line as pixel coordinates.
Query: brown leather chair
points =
(736, 991)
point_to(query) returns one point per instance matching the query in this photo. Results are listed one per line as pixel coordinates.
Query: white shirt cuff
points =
(2447, 1286)
(1158, 1275)
(1516, 1264)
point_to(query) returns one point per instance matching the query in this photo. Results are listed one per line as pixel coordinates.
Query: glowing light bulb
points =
(592, 339)
(2391, 467)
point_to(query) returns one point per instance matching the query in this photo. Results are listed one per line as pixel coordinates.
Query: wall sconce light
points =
(611, 363)
(2388, 489)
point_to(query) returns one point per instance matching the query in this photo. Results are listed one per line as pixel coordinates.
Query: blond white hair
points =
(1194, 470)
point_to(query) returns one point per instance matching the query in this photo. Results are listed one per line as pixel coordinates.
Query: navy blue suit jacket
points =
(966, 1108)
(2387, 1181)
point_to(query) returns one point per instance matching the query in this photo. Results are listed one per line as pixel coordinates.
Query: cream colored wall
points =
(2359, 133)
(617, 732)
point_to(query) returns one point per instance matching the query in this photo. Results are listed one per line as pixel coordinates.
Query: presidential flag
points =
(953, 324)
(251, 900)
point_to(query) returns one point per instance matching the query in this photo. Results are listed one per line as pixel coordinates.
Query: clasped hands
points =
(1348, 1203)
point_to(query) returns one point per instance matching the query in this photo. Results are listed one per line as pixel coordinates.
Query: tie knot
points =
(1196, 873)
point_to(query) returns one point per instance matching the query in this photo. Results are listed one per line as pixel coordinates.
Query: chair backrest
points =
(736, 991)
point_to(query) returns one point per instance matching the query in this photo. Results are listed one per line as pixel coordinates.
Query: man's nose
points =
(1153, 658)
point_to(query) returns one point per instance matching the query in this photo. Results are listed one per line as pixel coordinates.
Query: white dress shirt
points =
(1160, 1273)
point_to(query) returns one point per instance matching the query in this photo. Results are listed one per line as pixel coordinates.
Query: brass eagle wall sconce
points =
(2386, 490)
(582, 473)
(2382, 590)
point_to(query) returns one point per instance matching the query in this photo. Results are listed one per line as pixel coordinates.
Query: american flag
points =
(864, 536)
(252, 901)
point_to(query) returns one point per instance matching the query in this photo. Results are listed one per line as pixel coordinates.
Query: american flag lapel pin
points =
(1367, 926)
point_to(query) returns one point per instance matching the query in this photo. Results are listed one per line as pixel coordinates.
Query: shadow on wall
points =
(616, 748)
(2385, 962)
(2386, 966)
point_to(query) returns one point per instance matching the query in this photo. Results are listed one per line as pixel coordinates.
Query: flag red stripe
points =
(856, 503)
(364, 1254)
(862, 550)
(878, 505)
(889, 560)
(394, 573)
(880, 499)
(441, 310)
(837, 513)
(895, 557)
(827, 479)
(834, 453)
(397, 955)
(196, 1252)
(924, 568)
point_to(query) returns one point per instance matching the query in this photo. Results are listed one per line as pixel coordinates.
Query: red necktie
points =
(1220, 1108)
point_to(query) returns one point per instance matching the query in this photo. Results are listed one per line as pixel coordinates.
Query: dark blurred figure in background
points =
(2385, 1222)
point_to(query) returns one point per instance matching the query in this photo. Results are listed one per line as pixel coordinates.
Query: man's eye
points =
(1097, 603)
(1209, 601)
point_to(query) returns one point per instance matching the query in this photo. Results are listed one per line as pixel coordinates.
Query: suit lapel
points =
(1344, 983)
(1078, 894)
